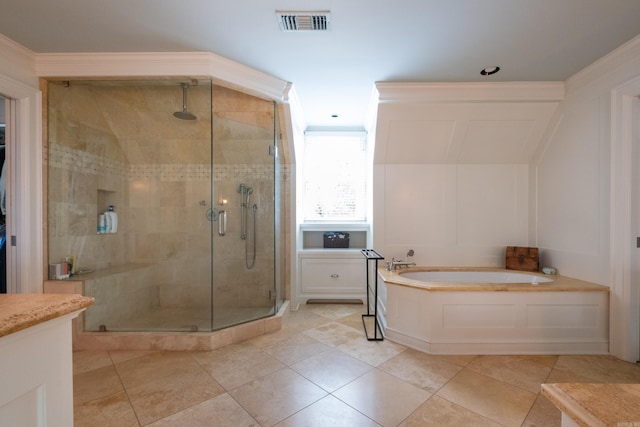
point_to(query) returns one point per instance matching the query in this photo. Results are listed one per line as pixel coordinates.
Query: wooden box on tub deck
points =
(522, 258)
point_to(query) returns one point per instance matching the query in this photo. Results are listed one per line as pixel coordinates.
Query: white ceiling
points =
(334, 72)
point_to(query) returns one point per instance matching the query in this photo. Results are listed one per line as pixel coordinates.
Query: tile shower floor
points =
(319, 370)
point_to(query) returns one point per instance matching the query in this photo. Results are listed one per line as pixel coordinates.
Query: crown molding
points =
(607, 65)
(166, 64)
(470, 92)
(18, 62)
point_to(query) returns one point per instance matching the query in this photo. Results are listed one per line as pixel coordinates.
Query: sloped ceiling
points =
(464, 123)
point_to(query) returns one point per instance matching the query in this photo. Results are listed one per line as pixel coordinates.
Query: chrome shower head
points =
(184, 114)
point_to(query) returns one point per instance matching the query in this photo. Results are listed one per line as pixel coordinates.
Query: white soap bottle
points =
(112, 220)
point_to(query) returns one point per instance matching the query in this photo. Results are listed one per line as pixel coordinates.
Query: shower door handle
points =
(222, 223)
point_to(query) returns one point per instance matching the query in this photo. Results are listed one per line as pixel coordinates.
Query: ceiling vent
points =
(304, 21)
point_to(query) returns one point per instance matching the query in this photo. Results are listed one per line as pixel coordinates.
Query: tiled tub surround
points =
(120, 145)
(566, 316)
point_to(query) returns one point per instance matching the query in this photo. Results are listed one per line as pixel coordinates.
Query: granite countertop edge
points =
(21, 311)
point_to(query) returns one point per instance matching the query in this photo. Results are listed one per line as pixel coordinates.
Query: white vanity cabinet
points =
(331, 274)
(36, 367)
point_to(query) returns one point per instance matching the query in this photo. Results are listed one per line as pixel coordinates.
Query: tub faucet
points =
(395, 265)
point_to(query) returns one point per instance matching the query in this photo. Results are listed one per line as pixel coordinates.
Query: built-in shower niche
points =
(105, 199)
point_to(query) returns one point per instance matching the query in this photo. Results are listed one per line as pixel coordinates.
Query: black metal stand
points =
(372, 256)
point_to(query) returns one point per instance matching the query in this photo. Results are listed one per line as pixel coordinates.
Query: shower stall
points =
(191, 169)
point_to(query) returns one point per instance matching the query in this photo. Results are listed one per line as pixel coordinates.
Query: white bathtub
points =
(492, 311)
(491, 277)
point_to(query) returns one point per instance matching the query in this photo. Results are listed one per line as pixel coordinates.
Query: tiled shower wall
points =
(121, 145)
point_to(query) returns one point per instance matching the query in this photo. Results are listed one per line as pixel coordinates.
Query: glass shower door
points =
(244, 212)
(128, 144)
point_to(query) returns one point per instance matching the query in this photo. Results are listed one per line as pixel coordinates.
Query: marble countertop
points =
(21, 311)
(559, 283)
(594, 405)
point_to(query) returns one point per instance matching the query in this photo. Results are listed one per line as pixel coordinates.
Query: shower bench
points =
(108, 286)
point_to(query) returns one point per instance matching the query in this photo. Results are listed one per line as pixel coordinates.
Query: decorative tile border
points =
(74, 160)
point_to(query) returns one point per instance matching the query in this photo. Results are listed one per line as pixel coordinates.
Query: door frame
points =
(624, 339)
(25, 265)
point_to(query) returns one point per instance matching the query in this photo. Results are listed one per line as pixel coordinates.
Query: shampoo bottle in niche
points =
(102, 224)
(111, 218)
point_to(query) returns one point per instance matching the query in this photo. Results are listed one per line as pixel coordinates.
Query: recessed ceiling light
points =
(490, 70)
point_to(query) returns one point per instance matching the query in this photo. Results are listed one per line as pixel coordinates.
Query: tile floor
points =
(319, 370)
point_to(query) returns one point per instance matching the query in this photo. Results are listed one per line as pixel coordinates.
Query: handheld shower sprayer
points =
(245, 195)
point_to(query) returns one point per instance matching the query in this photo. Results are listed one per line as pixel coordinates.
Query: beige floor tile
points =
(272, 338)
(336, 311)
(84, 361)
(496, 400)
(328, 412)
(421, 369)
(543, 413)
(109, 411)
(334, 334)
(525, 372)
(150, 367)
(332, 369)
(456, 359)
(303, 319)
(382, 397)
(564, 376)
(96, 384)
(170, 394)
(296, 348)
(546, 360)
(119, 356)
(600, 369)
(354, 321)
(235, 365)
(182, 387)
(277, 396)
(221, 411)
(372, 352)
(438, 412)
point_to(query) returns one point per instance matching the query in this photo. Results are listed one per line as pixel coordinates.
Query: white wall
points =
(453, 214)
(451, 172)
(572, 171)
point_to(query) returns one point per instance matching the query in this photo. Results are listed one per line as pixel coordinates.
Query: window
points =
(335, 176)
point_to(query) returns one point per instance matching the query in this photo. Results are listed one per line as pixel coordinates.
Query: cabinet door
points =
(335, 276)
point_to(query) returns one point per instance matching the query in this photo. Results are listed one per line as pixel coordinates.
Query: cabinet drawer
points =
(332, 274)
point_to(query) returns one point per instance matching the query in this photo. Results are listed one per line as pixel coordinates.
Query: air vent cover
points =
(304, 21)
